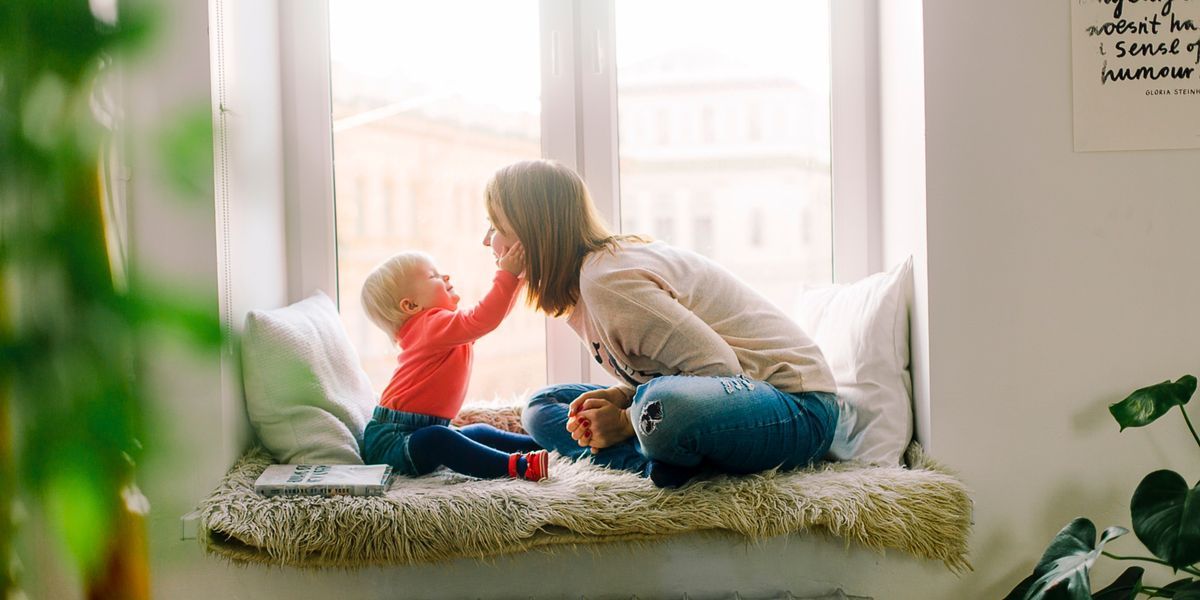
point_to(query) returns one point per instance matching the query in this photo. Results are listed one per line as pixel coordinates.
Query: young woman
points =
(712, 375)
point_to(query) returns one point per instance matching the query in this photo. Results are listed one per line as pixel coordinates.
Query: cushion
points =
(862, 328)
(306, 395)
(922, 510)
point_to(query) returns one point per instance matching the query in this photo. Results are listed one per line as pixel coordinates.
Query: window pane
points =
(724, 134)
(427, 105)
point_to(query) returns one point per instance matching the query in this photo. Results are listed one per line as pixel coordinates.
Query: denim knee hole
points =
(652, 414)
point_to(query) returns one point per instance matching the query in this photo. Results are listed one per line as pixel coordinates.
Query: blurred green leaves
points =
(185, 146)
(71, 412)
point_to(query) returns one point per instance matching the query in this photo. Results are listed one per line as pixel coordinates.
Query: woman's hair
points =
(551, 213)
(386, 286)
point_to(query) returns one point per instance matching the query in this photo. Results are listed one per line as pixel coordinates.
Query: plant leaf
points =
(186, 152)
(1063, 570)
(1124, 588)
(1189, 591)
(1176, 585)
(1143, 406)
(1166, 517)
(1022, 588)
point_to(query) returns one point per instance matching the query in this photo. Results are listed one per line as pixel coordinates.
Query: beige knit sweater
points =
(647, 310)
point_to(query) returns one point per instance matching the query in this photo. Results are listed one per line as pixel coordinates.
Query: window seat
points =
(862, 328)
(921, 510)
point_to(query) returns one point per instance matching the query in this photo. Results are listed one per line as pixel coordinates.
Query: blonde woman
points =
(712, 375)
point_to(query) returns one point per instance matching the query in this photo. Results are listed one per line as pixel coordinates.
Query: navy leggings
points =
(478, 450)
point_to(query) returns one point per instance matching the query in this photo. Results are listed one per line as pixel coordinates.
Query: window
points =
(774, 53)
(415, 108)
(707, 121)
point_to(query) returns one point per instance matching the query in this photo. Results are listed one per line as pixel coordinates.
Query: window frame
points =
(579, 129)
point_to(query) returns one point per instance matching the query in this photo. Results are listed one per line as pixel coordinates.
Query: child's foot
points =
(537, 465)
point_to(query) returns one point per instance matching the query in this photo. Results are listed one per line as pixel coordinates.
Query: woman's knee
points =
(547, 407)
(663, 416)
(675, 416)
(562, 393)
(666, 402)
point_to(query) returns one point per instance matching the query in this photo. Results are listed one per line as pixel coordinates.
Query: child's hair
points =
(386, 286)
(552, 215)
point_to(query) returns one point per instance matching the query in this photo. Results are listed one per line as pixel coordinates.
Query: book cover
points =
(323, 480)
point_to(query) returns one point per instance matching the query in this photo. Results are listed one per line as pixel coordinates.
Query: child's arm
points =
(463, 326)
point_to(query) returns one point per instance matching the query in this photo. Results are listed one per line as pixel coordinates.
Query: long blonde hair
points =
(551, 212)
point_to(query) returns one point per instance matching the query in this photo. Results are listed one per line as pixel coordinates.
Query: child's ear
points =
(409, 307)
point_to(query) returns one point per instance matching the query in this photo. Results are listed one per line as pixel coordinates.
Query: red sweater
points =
(436, 349)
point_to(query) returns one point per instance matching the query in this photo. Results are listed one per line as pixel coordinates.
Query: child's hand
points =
(513, 260)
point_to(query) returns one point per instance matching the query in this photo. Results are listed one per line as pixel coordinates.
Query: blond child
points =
(416, 306)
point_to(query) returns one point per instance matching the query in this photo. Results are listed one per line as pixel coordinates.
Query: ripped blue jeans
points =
(731, 424)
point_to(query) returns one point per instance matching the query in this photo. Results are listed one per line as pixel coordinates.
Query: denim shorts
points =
(733, 424)
(385, 440)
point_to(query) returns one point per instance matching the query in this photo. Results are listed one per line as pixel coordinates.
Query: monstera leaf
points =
(1183, 589)
(1062, 573)
(1190, 591)
(1124, 588)
(1166, 517)
(1142, 407)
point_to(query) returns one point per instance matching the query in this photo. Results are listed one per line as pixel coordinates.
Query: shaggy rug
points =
(922, 510)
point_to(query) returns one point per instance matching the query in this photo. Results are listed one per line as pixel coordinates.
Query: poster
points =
(1136, 72)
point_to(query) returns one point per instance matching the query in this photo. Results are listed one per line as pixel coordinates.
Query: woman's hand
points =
(598, 419)
(513, 260)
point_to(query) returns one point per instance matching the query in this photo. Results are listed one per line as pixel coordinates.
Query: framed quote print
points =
(1136, 74)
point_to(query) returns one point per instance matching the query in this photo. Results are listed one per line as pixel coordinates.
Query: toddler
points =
(416, 306)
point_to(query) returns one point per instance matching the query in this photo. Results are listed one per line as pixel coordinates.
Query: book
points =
(323, 480)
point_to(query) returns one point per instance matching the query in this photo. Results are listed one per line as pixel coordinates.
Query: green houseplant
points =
(1165, 516)
(72, 315)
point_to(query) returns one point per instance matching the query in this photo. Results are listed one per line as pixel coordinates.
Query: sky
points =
(489, 48)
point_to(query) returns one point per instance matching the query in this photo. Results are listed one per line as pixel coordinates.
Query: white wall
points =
(1056, 283)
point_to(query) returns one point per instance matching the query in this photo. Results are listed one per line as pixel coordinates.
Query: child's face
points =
(430, 289)
(499, 236)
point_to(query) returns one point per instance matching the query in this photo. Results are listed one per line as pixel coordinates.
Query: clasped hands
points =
(598, 418)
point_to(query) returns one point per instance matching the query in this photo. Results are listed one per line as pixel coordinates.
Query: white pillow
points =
(862, 328)
(306, 395)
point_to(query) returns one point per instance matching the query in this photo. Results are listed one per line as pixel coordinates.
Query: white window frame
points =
(579, 103)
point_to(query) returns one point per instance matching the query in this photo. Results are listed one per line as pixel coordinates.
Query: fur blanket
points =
(922, 510)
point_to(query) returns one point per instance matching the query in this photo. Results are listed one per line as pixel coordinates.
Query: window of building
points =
(664, 228)
(663, 126)
(756, 228)
(704, 237)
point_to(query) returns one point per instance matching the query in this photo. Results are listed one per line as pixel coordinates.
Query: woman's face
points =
(499, 236)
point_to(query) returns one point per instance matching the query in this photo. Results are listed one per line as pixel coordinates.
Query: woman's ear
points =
(409, 307)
